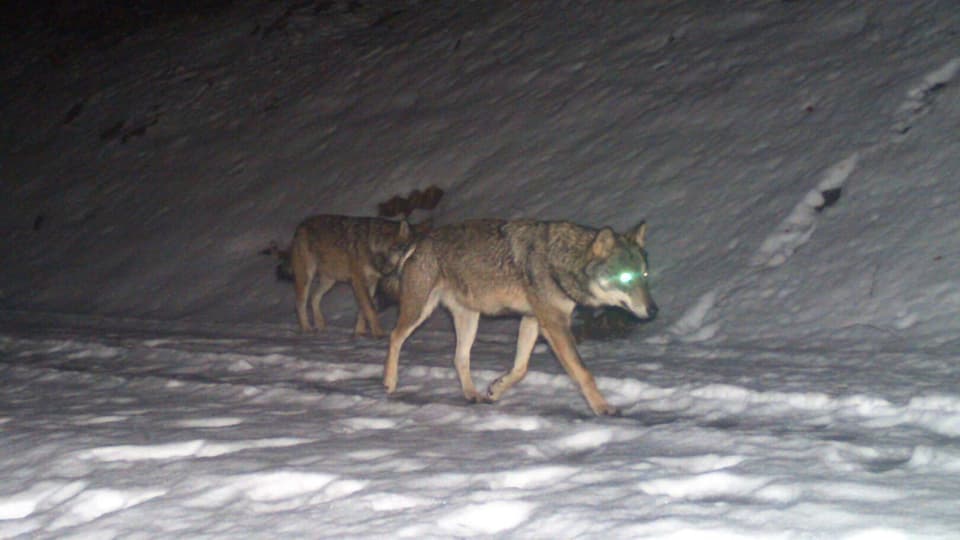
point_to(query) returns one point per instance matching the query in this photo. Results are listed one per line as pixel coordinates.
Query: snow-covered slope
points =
(160, 165)
(797, 163)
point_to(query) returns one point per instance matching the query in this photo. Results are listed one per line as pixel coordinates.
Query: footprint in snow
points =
(486, 518)
(352, 425)
(94, 503)
(531, 478)
(276, 491)
(198, 448)
(920, 98)
(797, 228)
(714, 485)
(212, 422)
(504, 422)
(90, 420)
(579, 444)
(40, 496)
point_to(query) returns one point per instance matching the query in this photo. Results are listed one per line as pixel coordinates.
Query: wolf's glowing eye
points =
(626, 277)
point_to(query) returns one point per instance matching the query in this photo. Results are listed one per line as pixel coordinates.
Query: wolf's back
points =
(474, 253)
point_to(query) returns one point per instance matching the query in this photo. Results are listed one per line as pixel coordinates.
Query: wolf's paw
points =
(605, 409)
(376, 334)
(495, 390)
(390, 385)
(477, 397)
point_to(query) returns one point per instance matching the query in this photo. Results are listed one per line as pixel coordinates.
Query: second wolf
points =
(540, 270)
(329, 248)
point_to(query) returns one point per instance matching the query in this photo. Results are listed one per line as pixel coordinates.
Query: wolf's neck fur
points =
(568, 259)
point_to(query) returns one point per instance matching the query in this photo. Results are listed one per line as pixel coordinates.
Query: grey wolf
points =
(539, 270)
(327, 249)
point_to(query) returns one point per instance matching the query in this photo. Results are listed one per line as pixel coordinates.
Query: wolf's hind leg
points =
(526, 339)
(322, 286)
(361, 292)
(360, 327)
(303, 271)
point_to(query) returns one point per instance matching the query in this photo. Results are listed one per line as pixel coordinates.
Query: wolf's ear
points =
(639, 233)
(603, 244)
(404, 233)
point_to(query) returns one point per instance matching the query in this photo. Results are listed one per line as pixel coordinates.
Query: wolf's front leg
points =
(526, 339)
(415, 307)
(465, 323)
(557, 332)
(362, 293)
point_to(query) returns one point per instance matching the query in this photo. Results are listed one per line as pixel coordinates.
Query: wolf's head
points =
(396, 246)
(618, 271)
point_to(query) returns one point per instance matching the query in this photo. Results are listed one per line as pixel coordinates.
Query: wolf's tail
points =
(284, 269)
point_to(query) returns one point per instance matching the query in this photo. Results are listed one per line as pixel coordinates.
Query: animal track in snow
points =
(195, 448)
(710, 485)
(91, 420)
(531, 478)
(392, 502)
(486, 518)
(690, 325)
(278, 490)
(698, 464)
(93, 503)
(502, 422)
(583, 441)
(214, 422)
(920, 97)
(931, 459)
(798, 227)
(43, 494)
(360, 423)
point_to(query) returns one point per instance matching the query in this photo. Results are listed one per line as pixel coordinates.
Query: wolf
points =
(327, 249)
(538, 269)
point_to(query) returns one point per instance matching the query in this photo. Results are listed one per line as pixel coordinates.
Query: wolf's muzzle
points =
(652, 311)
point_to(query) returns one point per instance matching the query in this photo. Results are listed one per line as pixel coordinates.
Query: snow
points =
(801, 380)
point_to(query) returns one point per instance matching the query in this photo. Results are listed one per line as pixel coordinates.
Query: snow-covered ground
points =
(801, 380)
